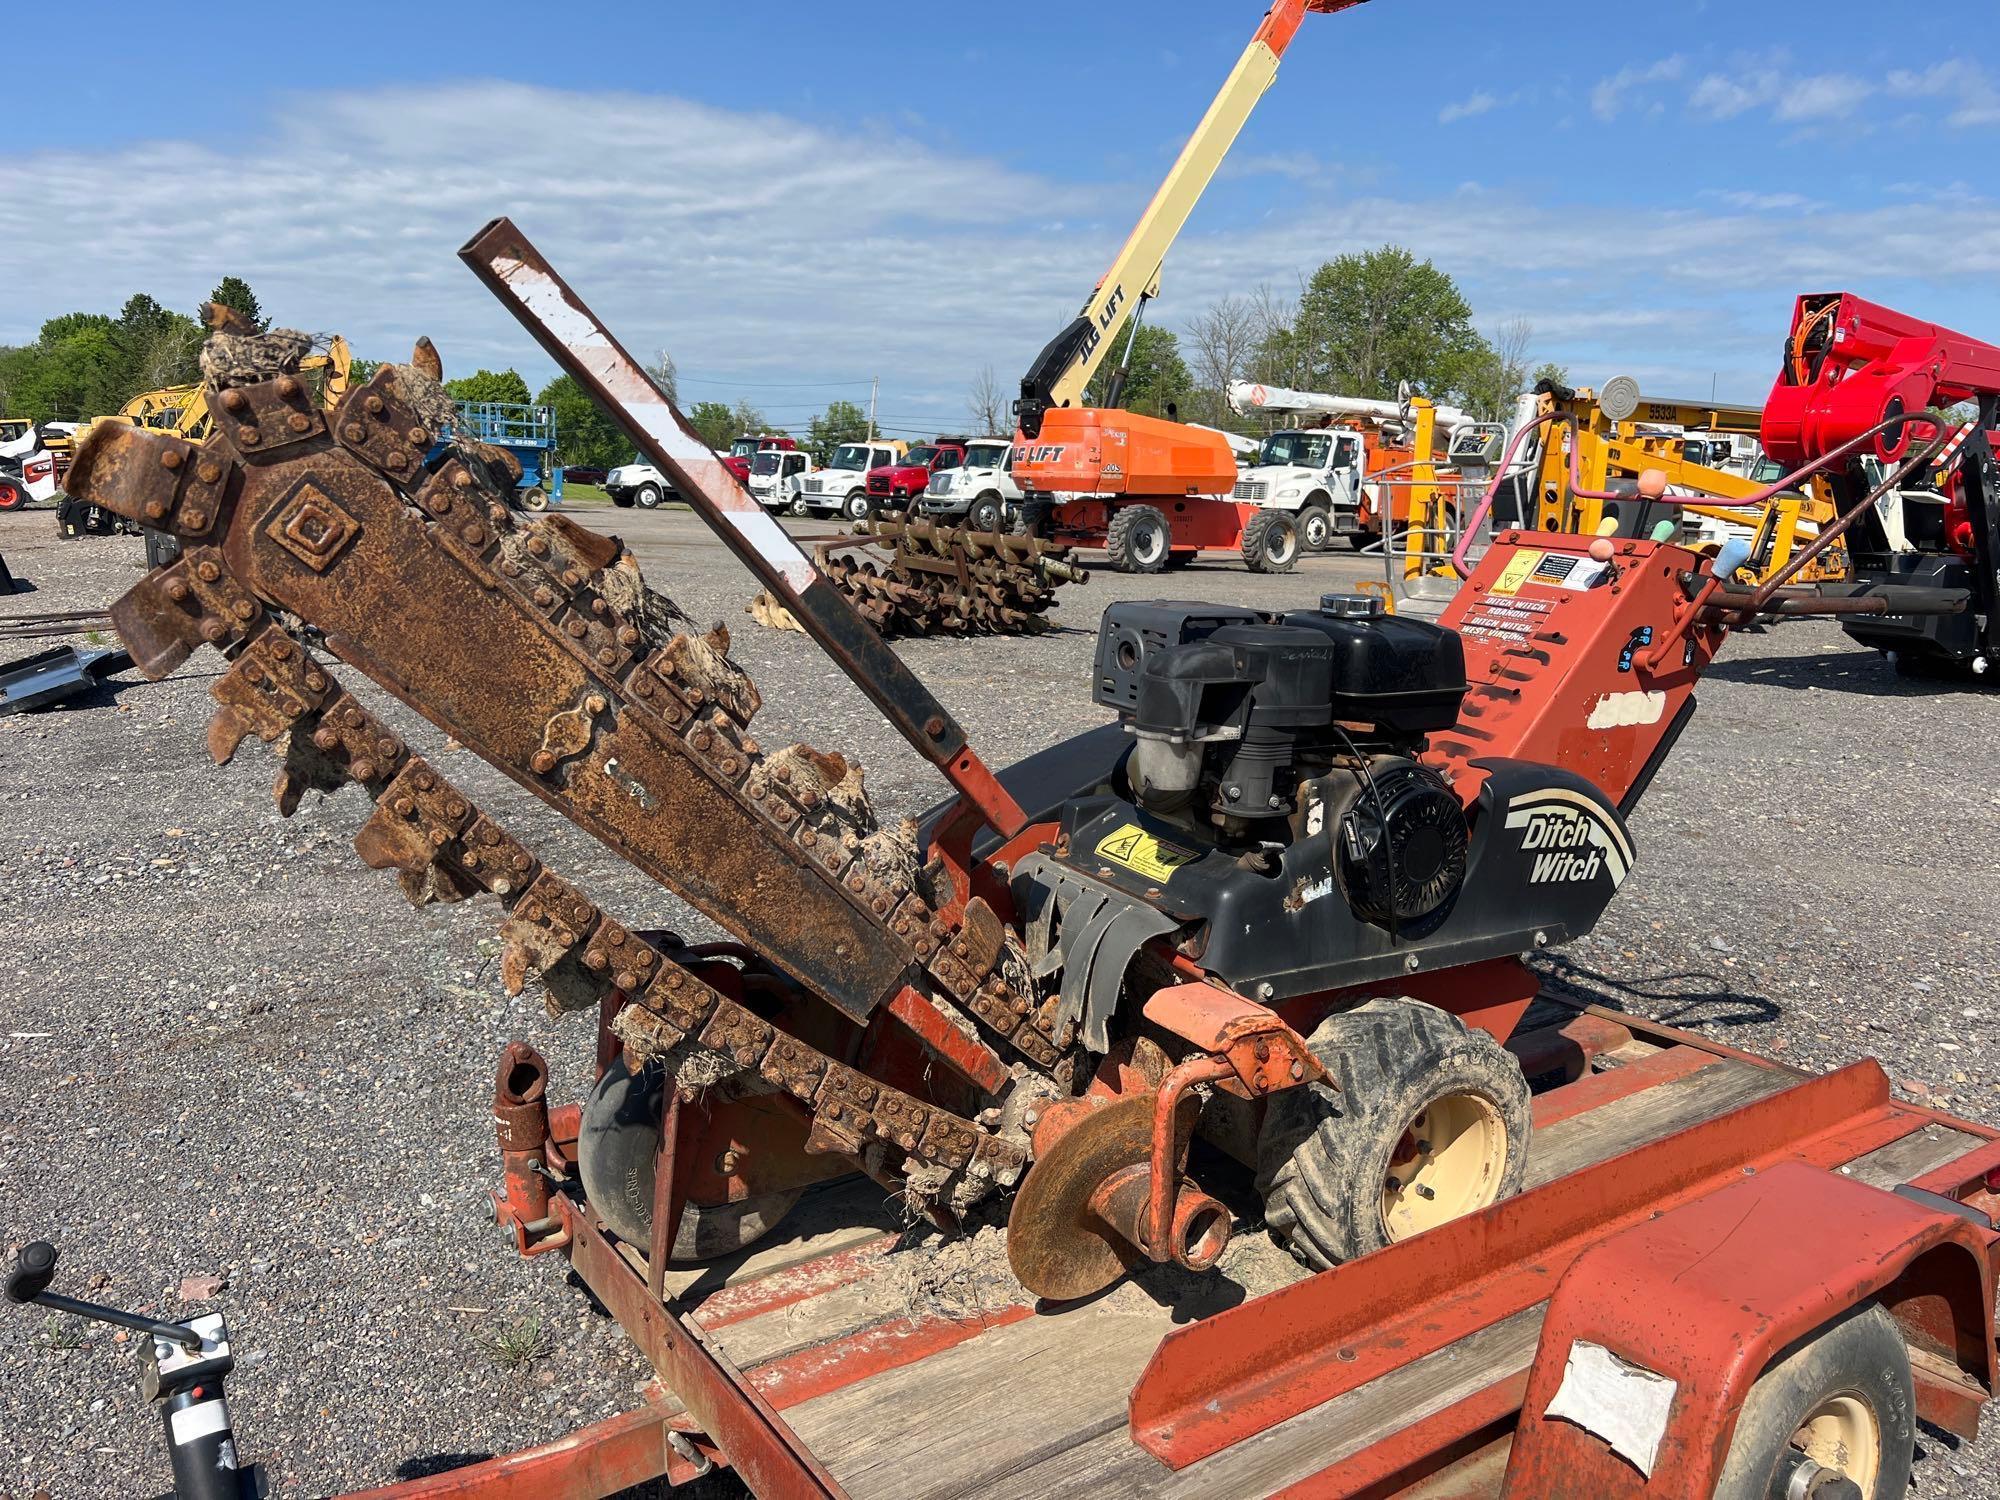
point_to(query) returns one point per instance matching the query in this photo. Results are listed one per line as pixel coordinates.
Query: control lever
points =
(181, 1369)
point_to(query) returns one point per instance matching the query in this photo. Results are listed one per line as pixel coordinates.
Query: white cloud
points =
(1466, 109)
(1828, 96)
(1974, 96)
(1724, 97)
(757, 247)
(1613, 94)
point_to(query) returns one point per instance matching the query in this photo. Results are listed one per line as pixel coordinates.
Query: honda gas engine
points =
(1237, 716)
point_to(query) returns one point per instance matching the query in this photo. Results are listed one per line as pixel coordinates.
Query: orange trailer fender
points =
(1659, 1332)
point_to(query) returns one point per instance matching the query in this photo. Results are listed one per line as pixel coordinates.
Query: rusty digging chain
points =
(304, 503)
(949, 580)
(445, 848)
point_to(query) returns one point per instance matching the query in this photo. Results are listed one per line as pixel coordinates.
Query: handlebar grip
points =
(33, 1269)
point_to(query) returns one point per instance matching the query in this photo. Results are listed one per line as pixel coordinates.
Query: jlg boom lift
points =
(1249, 954)
(1155, 489)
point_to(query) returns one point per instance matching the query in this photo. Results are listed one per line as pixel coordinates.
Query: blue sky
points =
(791, 202)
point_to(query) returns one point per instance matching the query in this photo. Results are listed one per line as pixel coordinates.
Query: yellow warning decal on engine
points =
(1520, 568)
(1136, 849)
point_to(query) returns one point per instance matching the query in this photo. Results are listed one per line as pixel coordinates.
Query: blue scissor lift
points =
(527, 432)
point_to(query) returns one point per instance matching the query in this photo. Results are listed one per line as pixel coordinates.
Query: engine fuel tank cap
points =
(1350, 606)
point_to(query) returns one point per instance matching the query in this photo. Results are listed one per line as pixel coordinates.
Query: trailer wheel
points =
(1839, 1400)
(1316, 526)
(535, 498)
(617, 1144)
(1271, 542)
(1138, 540)
(1430, 1123)
(647, 496)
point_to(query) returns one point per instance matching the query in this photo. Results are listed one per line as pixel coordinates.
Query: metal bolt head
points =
(170, 458)
(288, 385)
(232, 401)
(209, 472)
(298, 421)
(374, 406)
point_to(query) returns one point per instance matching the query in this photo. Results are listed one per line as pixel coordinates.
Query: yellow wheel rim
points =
(1842, 1434)
(1449, 1162)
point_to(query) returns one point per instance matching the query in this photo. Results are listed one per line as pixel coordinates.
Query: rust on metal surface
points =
(517, 273)
(539, 646)
(913, 576)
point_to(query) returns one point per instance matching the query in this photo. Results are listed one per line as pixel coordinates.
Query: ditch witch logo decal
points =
(1569, 836)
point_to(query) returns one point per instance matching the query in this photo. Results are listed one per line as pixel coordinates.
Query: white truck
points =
(637, 483)
(842, 486)
(981, 491)
(1320, 473)
(775, 477)
(1314, 475)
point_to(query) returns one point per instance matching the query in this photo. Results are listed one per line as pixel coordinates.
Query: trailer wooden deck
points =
(901, 1394)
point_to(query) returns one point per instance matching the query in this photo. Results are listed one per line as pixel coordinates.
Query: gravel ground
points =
(227, 1049)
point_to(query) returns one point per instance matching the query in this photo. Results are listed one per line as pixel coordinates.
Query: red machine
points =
(1857, 374)
(1259, 958)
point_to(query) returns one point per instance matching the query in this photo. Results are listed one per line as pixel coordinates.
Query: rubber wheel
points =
(12, 496)
(798, 505)
(535, 498)
(856, 508)
(647, 496)
(617, 1144)
(985, 514)
(161, 549)
(1316, 527)
(623, 502)
(1843, 1397)
(1138, 540)
(1271, 542)
(1425, 1105)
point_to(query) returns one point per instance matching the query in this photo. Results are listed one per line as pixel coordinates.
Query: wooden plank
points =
(830, 1216)
(1052, 1383)
(1915, 1154)
(1111, 1467)
(1583, 1140)
(997, 1403)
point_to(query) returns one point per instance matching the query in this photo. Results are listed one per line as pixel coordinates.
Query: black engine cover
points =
(1546, 853)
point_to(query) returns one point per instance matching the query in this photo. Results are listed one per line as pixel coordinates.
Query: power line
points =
(770, 385)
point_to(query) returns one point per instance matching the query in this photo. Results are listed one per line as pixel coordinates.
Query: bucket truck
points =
(1352, 462)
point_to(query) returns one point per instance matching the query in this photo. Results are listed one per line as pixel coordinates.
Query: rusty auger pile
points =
(916, 577)
(537, 645)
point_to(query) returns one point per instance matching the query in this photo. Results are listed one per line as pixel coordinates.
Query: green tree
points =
(1550, 371)
(489, 385)
(714, 422)
(1369, 321)
(234, 292)
(78, 375)
(841, 422)
(584, 434)
(361, 371)
(748, 419)
(1156, 376)
(157, 347)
